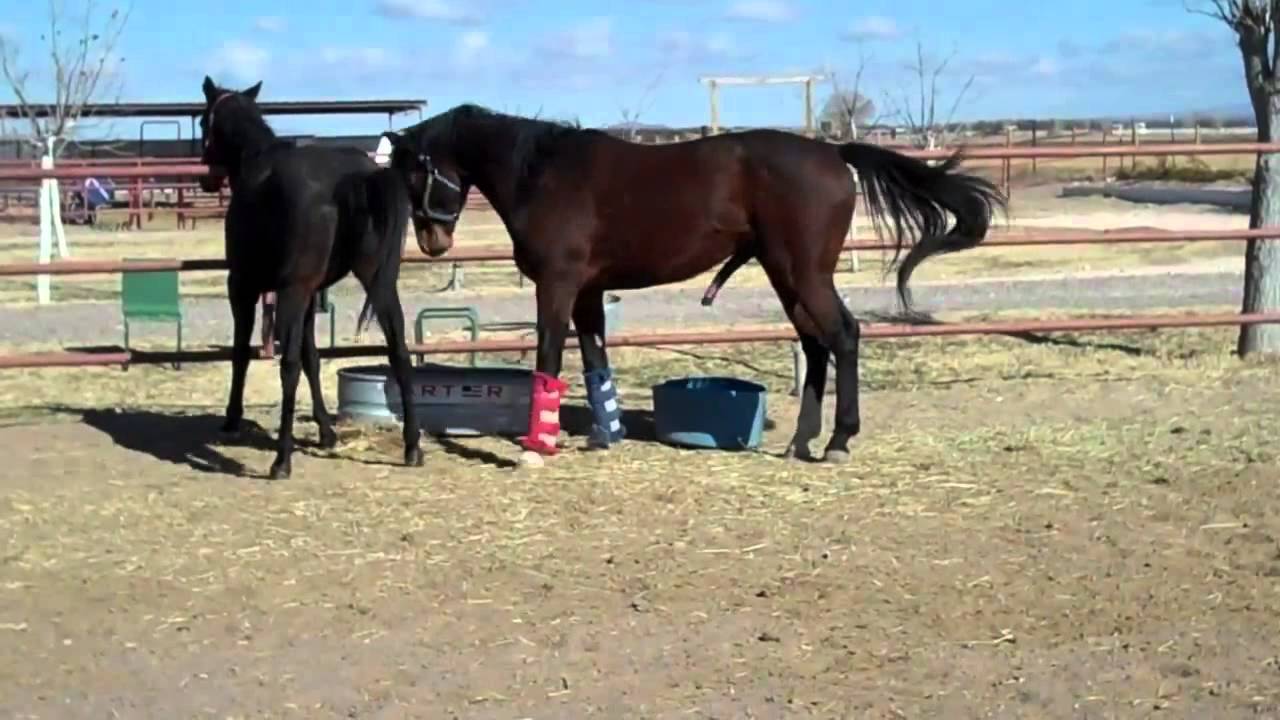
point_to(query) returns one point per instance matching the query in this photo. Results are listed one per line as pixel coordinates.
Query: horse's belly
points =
(669, 258)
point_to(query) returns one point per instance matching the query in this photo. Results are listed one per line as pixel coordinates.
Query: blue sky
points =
(590, 60)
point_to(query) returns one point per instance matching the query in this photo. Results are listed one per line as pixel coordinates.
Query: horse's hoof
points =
(598, 439)
(413, 457)
(531, 459)
(280, 471)
(799, 452)
(836, 457)
(328, 438)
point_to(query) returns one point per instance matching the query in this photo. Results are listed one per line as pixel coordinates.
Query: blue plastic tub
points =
(709, 412)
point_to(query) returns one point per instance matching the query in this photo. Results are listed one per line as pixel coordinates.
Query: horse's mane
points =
(250, 124)
(253, 119)
(535, 140)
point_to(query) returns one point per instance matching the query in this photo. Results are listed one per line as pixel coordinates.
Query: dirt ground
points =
(1087, 527)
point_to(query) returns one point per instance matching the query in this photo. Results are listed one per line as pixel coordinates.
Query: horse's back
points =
(305, 201)
(316, 169)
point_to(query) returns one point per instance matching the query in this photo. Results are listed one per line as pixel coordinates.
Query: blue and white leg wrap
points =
(606, 414)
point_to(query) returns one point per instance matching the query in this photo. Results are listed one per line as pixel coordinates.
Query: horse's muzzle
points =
(212, 182)
(433, 241)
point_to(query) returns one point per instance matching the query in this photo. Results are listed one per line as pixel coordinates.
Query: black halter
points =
(434, 176)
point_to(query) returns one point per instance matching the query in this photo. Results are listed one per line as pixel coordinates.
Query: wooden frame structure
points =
(713, 83)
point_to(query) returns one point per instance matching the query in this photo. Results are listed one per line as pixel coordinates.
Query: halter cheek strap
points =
(208, 137)
(434, 176)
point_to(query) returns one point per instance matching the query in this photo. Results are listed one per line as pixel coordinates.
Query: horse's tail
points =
(387, 202)
(914, 195)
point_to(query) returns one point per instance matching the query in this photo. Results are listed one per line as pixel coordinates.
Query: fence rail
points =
(93, 267)
(190, 168)
(875, 331)
(970, 152)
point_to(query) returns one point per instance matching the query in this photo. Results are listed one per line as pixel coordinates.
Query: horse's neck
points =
(487, 162)
(251, 142)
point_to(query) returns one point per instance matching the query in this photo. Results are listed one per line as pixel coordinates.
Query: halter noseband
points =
(434, 176)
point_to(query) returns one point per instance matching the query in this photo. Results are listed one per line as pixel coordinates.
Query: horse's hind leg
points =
(291, 306)
(809, 419)
(390, 315)
(839, 331)
(311, 368)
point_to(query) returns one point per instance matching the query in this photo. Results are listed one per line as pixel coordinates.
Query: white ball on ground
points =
(529, 458)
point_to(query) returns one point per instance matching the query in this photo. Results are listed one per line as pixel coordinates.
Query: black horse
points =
(588, 212)
(300, 219)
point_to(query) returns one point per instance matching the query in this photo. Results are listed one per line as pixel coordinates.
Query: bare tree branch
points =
(923, 122)
(849, 106)
(631, 115)
(81, 70)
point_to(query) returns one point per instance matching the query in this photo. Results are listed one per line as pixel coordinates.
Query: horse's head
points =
(220, 109)
(438, 193)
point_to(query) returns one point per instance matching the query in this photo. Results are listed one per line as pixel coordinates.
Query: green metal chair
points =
(151, 297)
(466, 313)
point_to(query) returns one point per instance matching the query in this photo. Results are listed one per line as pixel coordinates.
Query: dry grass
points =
(1186, 168)
(1029, 528)
(897, 365)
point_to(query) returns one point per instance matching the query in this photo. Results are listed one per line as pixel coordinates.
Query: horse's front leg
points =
(243, 314)
(602, 393)
(555, 303)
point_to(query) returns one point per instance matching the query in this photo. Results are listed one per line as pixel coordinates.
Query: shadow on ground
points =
(575, 421)
(181, 439)
(1027, 336)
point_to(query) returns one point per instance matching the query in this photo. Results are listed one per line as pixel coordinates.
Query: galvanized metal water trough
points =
(456, 401)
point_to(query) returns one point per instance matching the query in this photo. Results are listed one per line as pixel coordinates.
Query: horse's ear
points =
(210, 89)
(252, 93)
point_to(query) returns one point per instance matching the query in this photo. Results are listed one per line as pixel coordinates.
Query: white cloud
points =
(359, 59)
(992, 62)
(270, 23)
(453, 11)
(242, 61)
(873, 27)
(1045, 67)
(472, 48)
(690, 47)
(769, 11)
(591, 39)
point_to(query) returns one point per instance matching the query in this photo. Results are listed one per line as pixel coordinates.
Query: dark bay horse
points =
(300, 219)
(588, 212)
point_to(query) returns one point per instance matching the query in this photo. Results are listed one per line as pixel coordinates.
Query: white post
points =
(854, 265)
(50, 223)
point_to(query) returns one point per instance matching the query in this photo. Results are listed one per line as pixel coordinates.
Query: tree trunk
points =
(1262, 257)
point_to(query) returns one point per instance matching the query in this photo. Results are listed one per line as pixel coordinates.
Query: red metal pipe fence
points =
(970, 152)
(187, 169)
(875, 331)
(91, 267)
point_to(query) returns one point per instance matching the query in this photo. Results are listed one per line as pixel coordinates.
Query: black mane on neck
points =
(533, 141)
(247, 127)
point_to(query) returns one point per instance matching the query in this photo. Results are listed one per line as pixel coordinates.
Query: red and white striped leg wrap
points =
(544, 414)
